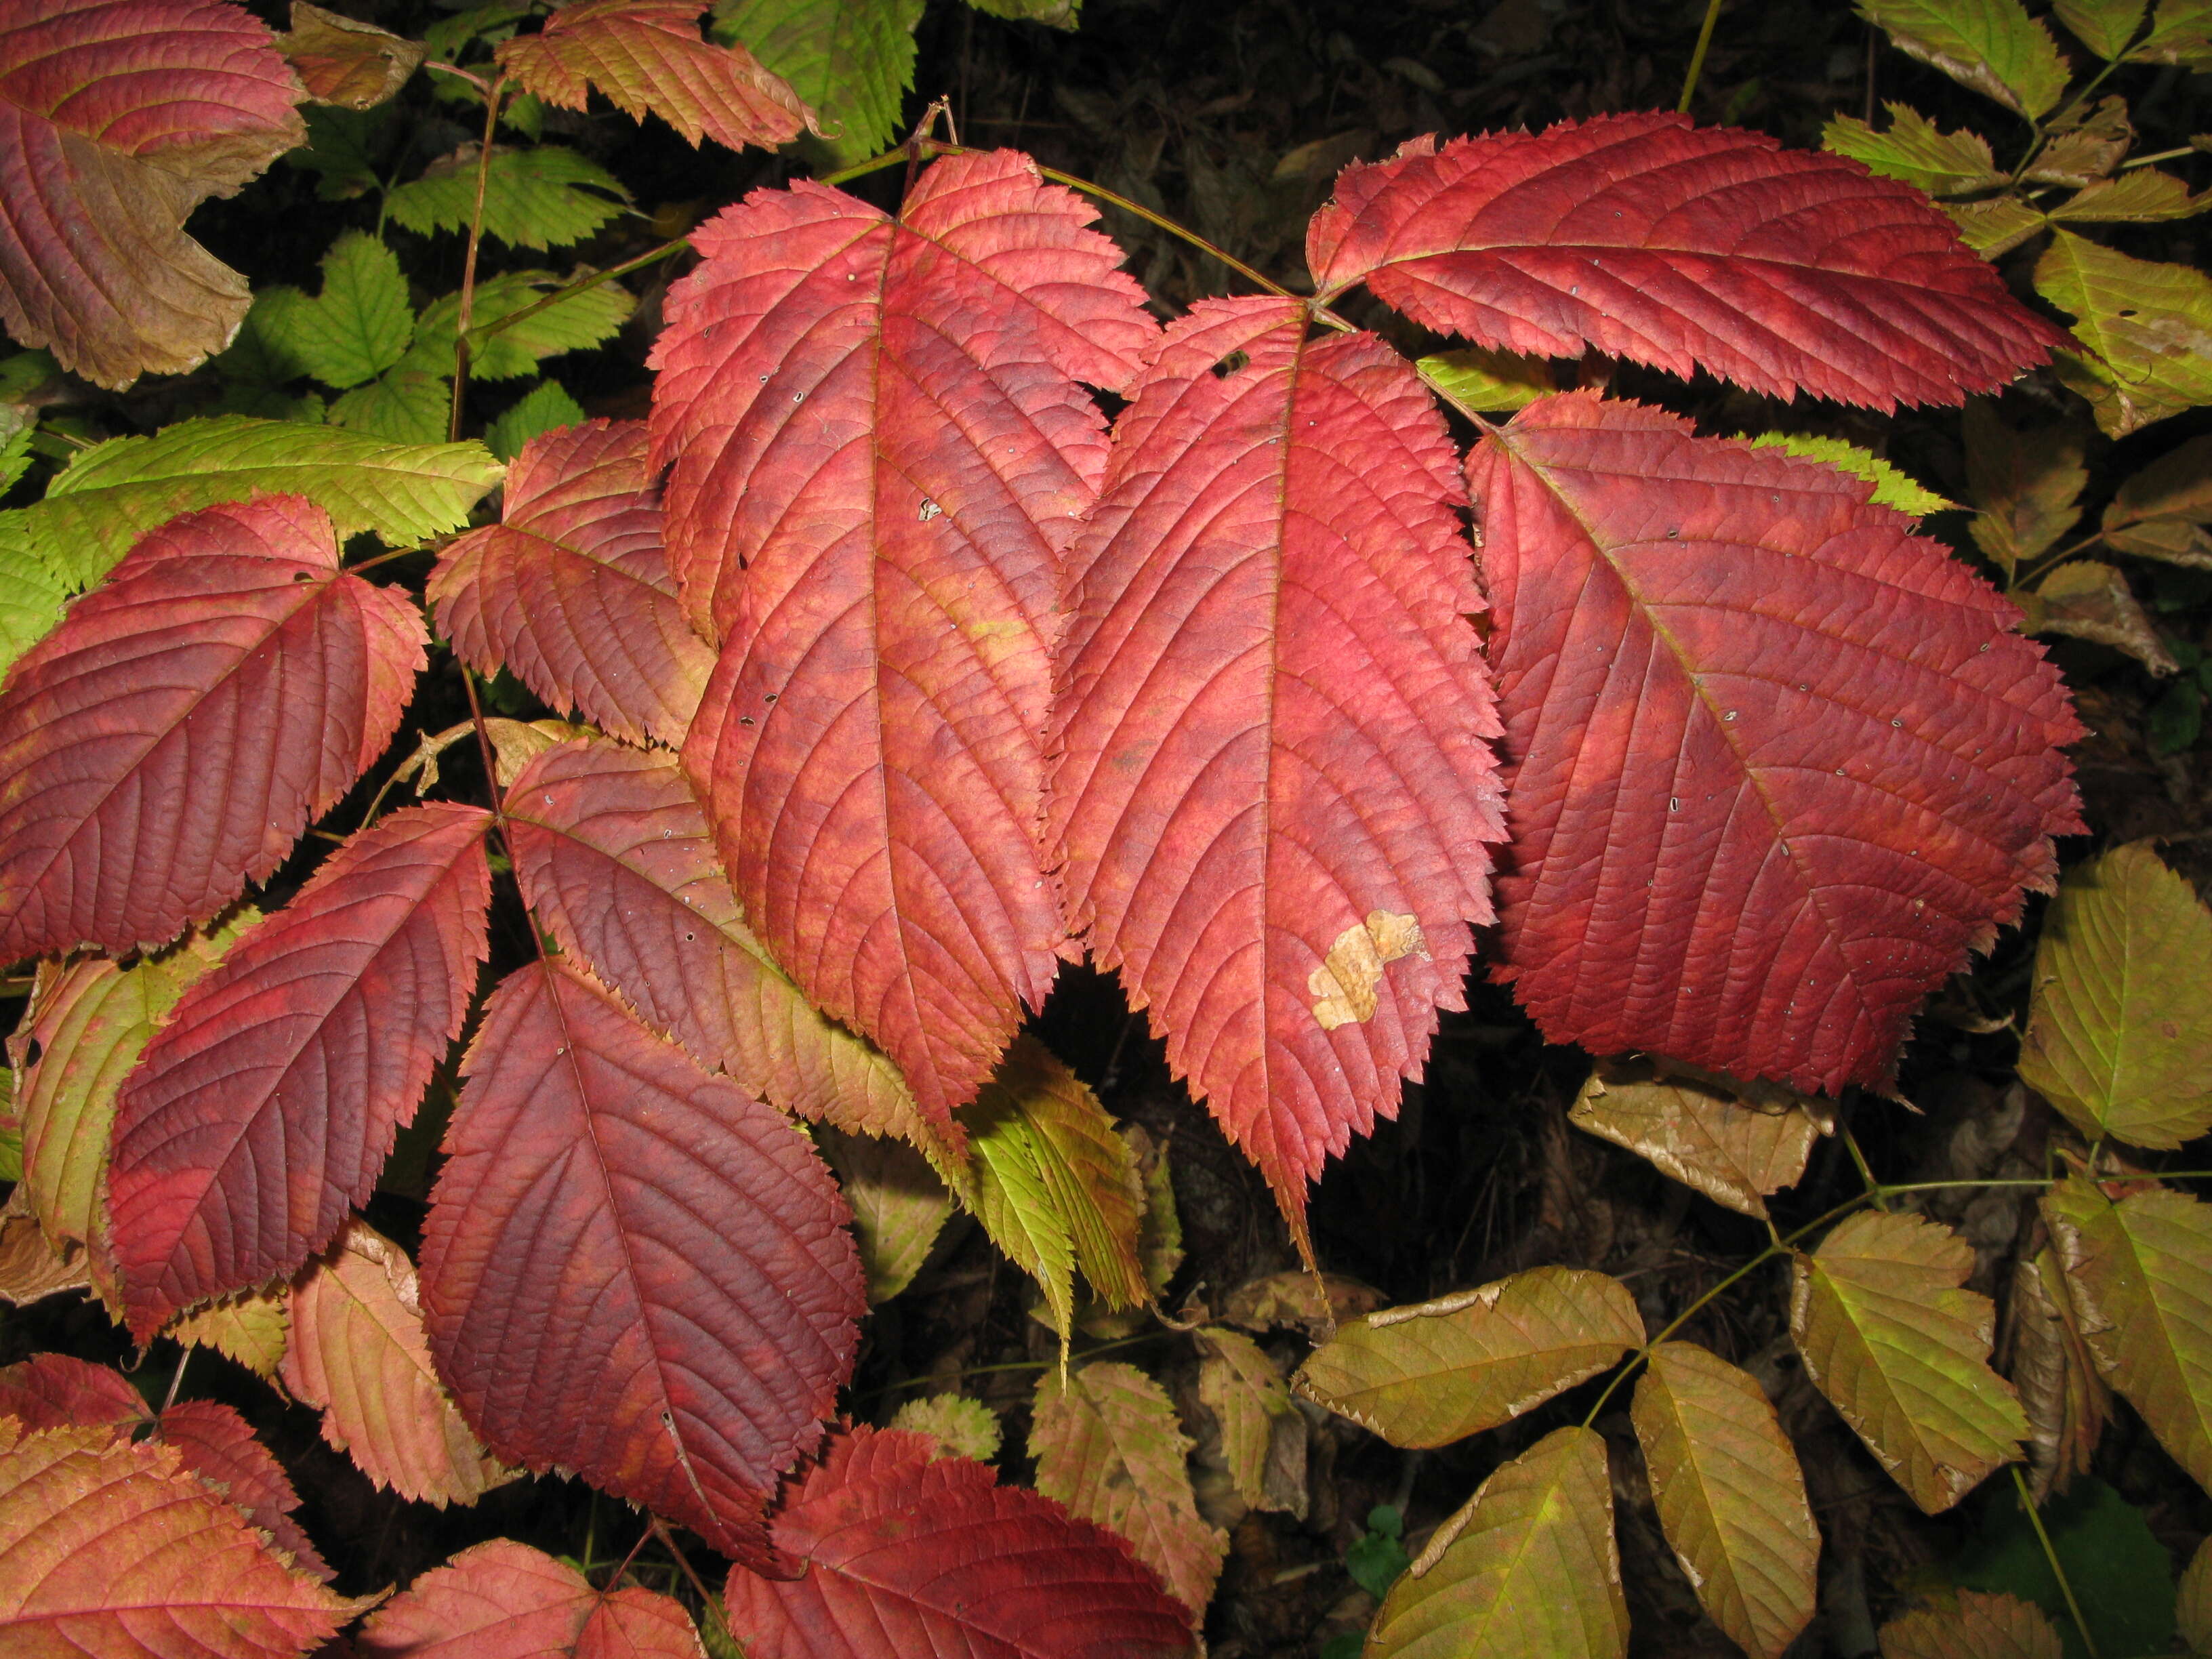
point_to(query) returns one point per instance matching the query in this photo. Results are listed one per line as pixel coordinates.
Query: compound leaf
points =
(851, 60)
(2141, 325)
(572, 590)
(2139, 1271)
(167, 742)
(544, 196)
(1730, 1496)
(1912, 151)
(1275, 783)
(1973, 1626)
(502, 1600)
(632, 1269)
(1107, 1444)
(357, 327)
(1683, 248)
(1902, 1353)
(1432, 1372)
(1528, 1566)
(2119, 1036)
(927, 1556)
(885, 580)
(358, 1354)
(1733, 1153)
(646, 56)
(1992, 45)
(1775, 765)
(265, 1106)
(116, 121)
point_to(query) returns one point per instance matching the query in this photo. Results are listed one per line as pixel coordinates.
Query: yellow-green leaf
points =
(1528, 1567)
(544, 196)
(1730, 1153)
(32, 591)
(963, 1426)
(2141, 1274)
(2146, 329)
(581, 319)
(406, 406)
(1912, 151)
(2192, 1601)
(1434, 1372)
(2144, 196)
(1992, 45)
(1489, 381)
(1107, 1445)
(1901, 1351)
(1240, 1385)
(1997, 226)
(2119, 1025)
(899, 1205)
(250, 1328)
(1972, 1626)
(1892, 488)
(1730, 1496)
(2026, 483)
(2105, 26)
(2093, 601)
(2181, 33)
(2163, 512)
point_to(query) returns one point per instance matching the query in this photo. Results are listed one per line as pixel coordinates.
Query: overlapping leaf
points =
(358, 1354)
(583, 317)
(106, 1542)
(646, 55)
(852, 60)
(170, 740)
(1107, 1445)
(929, 1557)
(632, 1269)
(218, 1445)
(116, 121)
(1735, 1154)
(54, 1390)
(1528, 1566)
(1275, 787)
(506, 1601)
(1776, 764)
(345, 62)
(32, 589)
(267, 1103)
(1974, 1626)
(1730, 1496)
(2139, 1271)
(879, 424)
(1992, 45)
(572, 590)
(1240, 1385)
(1433, 1372)
(251, 1328)
(1685, 248)
(1902, 1353)
(616, 858)
(898, 1204)
(2119, 1035)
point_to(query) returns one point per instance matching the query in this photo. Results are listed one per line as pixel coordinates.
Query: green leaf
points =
(899, 1205)
(2181, 33)
(2119, 1572)
(546, 407)
(15, 451)
(2163, 511)
(2140, 1273)
(1972, 1626)
(110, 496)
(2145, 327)
(1891, 487)
(851, 61)
(406, 406)
(448, 36)
(2027, 483)
(357, 327)
(2143, 196)
(2105, 26)
(1434, 1372)
(31, 591)
(1240, 1385)
(1056, 14)
(1912, 151)
(1376, 1559)
(2093, 601)
(1107, 1446)
(964, 1427)
(1992, 45)
(2119, 1029)
(1529, 1566)
(1489, 381)
(1730, 1496)
(585, 317)
(1996, 227)
(1902, 1353)
(541, 196)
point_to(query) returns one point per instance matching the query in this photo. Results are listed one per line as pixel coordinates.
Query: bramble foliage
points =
(950, 618)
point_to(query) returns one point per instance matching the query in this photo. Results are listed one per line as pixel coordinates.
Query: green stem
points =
(2050, 1555)
(1024, 1365)
(1697, 57)
(2163, 156)
(1865, 1169)
(492, 100)
(2042, 129)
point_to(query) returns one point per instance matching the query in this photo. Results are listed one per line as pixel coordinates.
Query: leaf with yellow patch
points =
(964, 1427)
(2146, 330)
(251, 1328)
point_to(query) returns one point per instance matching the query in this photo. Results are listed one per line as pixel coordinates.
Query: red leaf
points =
(170, 740)
(927, 1556)
(632, 1269)
(1776, 763)
(506, 1601)
(115, 120)
(881, 451)
(571, 589)
(1275, 787)
(614, 855)
(1683, 248)
(52, 1391)
(218, 1445)
(265, 1108)
(115, 1550)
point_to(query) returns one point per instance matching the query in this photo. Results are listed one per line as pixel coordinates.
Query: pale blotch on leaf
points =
(1343, 987)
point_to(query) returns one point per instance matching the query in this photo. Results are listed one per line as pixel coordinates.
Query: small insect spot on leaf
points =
(930, 510)
(744, 720)
(1729, 715)
(1343, 987)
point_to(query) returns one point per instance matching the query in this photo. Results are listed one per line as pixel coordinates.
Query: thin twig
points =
(492, 99)
(1698, 57)
(2050, 1555)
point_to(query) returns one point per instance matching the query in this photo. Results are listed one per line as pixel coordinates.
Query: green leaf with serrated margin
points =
(1434, 1372)
(2140, 1273)
(1996, 227)
(852, 61)
(31, 591)
(961, 1426)
(1891, 487)
(2119, 1029)
(1914, 151)
(1992, 45)
(899, 1206)
(587, 317)
(1529, 1566)
(405, 406)
(1730, 1496)
(1489, 381)
(1901, 1351)
(2105, 26)
(2181, 33)
(110, 495)
(542, 196)
(2165, 511)
(1972, 1626)
(357, 327)
(2146, 329)
(546, 407)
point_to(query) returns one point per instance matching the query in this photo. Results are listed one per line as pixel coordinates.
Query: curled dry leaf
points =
(358, 1354)
(1316, 1303)
(2066, 1401)
(506, 1601)
(1528, 1566)
(1974, 1625)
(1902, 1353)
(1434, 1372)
(899, 1206)
(31, 1269)
(1733, 1153)
(343, 61)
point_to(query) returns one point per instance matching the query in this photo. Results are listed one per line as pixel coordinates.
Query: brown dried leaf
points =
(2066, 1402)
(341, 61)
(1977, 1627)
(1704, 1138)
(2093, 601)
